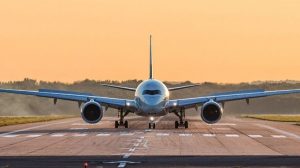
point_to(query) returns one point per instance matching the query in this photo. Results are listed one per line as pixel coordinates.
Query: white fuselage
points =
(151, 97)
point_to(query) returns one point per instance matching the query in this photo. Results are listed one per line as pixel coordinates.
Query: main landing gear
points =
(181, 116)
(122, 122)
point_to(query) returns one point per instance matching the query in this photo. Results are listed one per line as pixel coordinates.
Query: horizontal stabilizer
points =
(181, 87)
(119, 87)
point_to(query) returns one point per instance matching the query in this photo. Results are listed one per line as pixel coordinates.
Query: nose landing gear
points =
(181, 123)
(152, 125)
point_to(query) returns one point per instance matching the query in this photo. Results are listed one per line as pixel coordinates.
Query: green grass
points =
(276, 117)
(14, 120)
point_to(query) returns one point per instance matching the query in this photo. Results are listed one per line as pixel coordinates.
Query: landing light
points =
(127, 104)
(174, 104)
(152, 118)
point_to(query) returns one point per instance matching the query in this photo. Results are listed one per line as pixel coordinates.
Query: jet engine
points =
(92, 112)
(211, 112)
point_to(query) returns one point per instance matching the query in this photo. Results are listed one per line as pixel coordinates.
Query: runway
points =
(71, 142)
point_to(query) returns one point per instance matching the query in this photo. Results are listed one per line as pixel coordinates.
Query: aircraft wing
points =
(119, 87)
(71, 96)
(230, 96)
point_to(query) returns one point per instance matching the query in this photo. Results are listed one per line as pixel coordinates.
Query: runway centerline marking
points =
(127, 155)
(232, 135)
(255, 136)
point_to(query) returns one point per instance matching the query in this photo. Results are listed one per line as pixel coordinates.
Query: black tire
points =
(153, 125)
(150, 126)
(186, 124)
(116, 124)
(126, 124)
(176, 124)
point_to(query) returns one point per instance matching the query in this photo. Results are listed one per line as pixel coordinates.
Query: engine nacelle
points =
(211, 112)
(91, 112)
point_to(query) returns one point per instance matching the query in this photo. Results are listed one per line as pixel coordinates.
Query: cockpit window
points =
(151, 92)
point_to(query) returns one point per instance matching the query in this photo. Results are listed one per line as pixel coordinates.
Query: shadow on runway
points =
(149, 161)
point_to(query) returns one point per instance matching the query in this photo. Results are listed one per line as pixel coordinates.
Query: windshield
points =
(151, 92)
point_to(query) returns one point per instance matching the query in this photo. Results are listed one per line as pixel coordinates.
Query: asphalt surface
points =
(233, 142)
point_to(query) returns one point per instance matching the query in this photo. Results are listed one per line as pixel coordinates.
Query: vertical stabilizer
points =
(151, 67)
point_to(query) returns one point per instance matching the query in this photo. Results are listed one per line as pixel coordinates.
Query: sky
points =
(228, 41)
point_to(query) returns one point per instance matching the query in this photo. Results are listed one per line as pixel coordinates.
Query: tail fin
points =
(151, 68)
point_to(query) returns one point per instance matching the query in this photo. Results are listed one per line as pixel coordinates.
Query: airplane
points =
(151, 100)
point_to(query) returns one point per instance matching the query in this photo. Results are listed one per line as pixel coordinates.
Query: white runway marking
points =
(136, 144)
(126, 134)
(185, 135)
(79, 135)
(127, 155)
(278, 136)
(255, 136)
(103, 134)
(9, 136)
(78, 128)
(34, 136)
(232, 135)
(57, 135)
(131, 150)
(209, 135)
(162, 134)
(280, 131)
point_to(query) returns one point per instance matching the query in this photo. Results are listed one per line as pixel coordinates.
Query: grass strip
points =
(276, 117)
(14, 120)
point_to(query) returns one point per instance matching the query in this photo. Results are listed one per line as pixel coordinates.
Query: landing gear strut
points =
(122, 122)
(181, 116)
(152, 123)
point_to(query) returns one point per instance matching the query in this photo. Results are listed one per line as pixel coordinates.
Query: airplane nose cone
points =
(152, 100)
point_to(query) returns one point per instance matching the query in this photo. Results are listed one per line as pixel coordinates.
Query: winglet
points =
(151, 68)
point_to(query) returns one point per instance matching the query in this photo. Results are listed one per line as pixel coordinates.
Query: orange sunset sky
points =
(197, 40)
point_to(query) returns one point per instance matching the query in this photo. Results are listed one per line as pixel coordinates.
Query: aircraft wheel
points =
(116, 124)
(186, 124)
(150, 126)
(176, 124)
(126, 124)
(153, 125)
